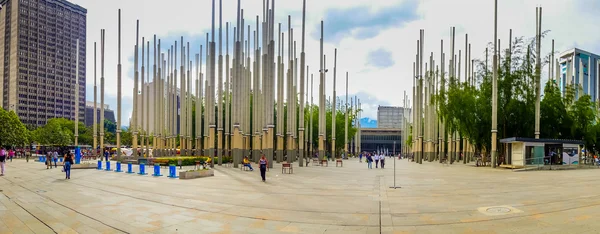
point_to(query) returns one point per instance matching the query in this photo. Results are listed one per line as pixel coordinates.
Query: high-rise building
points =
(89, 113)
(38, 59)
(579, 69)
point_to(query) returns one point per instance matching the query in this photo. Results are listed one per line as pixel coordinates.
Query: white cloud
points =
(568, 20)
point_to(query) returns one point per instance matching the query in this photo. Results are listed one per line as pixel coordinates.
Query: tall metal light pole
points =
(495, 87)
(101, 92)
(302, 64)
(333, 106)
(220, 116)
(119, 93)
(538, 70)
(95, 123)
(346, 146)
(134, 124)
(143, 102)
(77, 95)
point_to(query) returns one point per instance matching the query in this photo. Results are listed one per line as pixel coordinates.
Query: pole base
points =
(395, 187)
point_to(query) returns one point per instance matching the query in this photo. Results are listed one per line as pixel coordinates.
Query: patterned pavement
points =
(434, 198)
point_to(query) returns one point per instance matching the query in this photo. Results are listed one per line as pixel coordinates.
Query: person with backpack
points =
(369, 161)
(2, 160)
(263, 167)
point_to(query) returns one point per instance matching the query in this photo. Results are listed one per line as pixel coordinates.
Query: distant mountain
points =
(368, 123)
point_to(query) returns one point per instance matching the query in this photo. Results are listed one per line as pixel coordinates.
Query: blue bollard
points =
(107, 165)
(142, 169)
(99, 165)
(129, 168)
(173, 172)
(118, 167)
(156, 170)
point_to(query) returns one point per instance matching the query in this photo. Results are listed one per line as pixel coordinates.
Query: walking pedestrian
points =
(106, 155)
(369, 161)
(376, 157)
(48, 160)
(55, 158)
(360, 157)
(2, 160)
(263, 167)
(67, 165)
(11, 154)
(382, 161)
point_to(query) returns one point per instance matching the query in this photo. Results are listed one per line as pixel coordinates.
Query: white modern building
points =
(390, 117)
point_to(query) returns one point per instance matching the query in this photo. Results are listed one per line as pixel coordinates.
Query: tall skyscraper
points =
(37, 52)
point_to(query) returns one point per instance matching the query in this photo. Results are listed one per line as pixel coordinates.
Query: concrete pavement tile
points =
(313, 200)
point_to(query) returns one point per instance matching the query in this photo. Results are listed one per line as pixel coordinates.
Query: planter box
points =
(195, 174)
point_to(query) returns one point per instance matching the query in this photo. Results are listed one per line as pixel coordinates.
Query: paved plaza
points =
(434, 198)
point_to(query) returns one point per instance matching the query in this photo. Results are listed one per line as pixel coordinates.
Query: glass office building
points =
(579, 68)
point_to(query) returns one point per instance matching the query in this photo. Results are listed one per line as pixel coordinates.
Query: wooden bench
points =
(340, 162)
(287, 167)
(325, 162)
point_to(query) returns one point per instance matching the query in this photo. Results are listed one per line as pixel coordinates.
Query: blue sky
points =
(375, 38)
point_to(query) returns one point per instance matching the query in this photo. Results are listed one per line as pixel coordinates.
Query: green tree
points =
(55, 132)
(12, 132)
(554, 118)
(110, 126)
(584, 114)
(126, 137)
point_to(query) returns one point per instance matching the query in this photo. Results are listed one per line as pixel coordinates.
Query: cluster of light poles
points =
(224, 128)
(428, 129)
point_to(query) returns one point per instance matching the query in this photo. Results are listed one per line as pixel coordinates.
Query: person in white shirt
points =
(376, 157)
(382, 160)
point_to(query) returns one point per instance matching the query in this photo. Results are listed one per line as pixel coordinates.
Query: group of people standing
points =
(378, 158)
